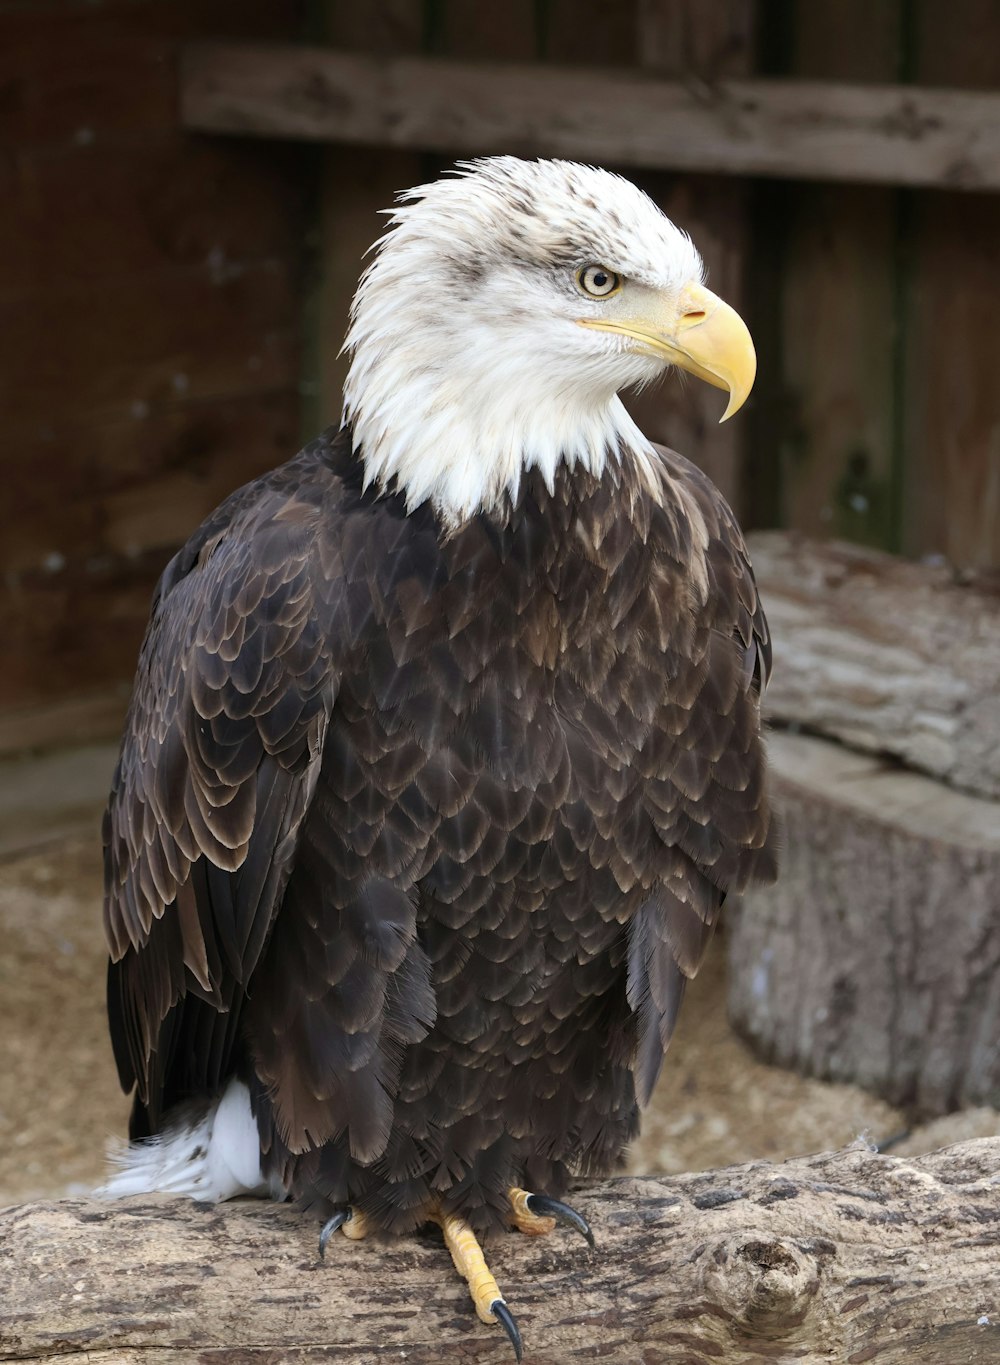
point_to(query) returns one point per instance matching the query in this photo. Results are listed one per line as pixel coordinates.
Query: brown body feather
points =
(422, 834)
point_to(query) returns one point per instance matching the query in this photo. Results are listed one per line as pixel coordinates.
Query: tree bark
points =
(876, 957)
(885, 655)
(849, 1256)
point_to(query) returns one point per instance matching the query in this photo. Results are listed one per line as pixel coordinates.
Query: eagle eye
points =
(598, 281)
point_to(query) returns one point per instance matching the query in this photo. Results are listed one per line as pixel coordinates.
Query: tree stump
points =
(845, 1257)
(885, 655)
(876, 957)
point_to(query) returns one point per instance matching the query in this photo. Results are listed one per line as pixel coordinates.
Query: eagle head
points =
(505, 309)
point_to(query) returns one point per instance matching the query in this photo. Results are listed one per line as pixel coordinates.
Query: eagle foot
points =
(469, 1260)
(348, 1221)
(537, 1214)
(465, 1251)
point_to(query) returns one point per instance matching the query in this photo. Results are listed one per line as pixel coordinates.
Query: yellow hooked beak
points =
(697, 332)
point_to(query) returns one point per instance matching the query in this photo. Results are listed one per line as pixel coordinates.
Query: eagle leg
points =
(537, 1214)
(465, 1251)
(469, 1261)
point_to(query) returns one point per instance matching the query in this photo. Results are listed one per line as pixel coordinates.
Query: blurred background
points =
(181, 231)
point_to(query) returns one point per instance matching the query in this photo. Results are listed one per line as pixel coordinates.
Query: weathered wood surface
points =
(843, 1257)
(889, 656)
(819, 130)
(876, 957)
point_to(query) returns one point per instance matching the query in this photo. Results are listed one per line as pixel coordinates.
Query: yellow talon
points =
(523, 1219)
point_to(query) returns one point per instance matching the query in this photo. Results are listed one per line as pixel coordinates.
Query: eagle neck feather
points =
(464, 441)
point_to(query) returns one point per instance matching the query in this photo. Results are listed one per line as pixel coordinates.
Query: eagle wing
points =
(706, 775)
(218, 764)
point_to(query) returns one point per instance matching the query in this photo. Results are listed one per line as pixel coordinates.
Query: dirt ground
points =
(59, 1097)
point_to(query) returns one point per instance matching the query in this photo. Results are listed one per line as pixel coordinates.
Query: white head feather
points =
(468, 365)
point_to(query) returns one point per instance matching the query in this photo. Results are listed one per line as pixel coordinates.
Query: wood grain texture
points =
(831, 131)
(876, 958)
(895, 658)
(845, 1257)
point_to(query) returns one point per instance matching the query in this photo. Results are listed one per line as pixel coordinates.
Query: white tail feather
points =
(211, 1155)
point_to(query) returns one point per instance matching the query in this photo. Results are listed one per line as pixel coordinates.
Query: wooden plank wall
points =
(149, 317)
(882, 409)
(151, 296)
(835, 335)
(950, 426)
(672, 36)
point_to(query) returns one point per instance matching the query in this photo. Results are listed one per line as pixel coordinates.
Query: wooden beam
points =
(845, 1256)
(799, 129)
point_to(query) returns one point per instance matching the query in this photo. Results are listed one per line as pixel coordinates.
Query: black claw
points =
(330, 1227)
(507, 1321)
(545, 1207)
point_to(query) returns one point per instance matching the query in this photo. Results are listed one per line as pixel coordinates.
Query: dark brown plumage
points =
(421, 833)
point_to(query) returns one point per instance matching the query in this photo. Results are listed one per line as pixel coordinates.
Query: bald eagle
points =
(444, 749)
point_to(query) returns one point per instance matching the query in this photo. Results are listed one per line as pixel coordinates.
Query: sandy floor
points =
(59, 1097)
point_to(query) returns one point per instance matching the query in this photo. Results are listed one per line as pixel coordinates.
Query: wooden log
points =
(900, 135)
(888, 656)
(847, 1256)
(876, 957)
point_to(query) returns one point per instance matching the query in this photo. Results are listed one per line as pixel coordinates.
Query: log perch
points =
(848, 1257)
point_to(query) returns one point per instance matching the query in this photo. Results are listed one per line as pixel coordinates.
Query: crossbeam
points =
(888, 134)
